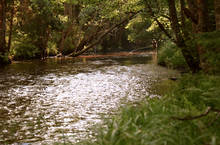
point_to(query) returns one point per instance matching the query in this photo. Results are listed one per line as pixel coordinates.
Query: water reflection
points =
(43, 102)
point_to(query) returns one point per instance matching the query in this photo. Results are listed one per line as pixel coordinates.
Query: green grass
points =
(151, 122)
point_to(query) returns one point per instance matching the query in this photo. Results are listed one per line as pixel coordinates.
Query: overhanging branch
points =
(75, 54)
(161, 26)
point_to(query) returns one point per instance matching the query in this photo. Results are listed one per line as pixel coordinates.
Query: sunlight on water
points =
(63, 102)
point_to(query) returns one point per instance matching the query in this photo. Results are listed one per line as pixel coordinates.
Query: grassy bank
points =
(187, 114)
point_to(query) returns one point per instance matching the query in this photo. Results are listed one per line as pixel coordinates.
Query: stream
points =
(43, 102)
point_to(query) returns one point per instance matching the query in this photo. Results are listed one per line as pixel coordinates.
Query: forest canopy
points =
(40, 28)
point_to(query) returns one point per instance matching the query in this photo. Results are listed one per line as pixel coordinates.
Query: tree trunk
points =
(189, 54)
(2, 26)
(175, 23)
(10, 28)
(45, 43)
(161, 26)
(24, 11)
(192, 14)
(182, 6)
(84, 48)
(64, 35)
(203, 26)
(217, 14)
(203, 17)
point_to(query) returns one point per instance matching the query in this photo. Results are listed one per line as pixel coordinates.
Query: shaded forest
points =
(37, 29)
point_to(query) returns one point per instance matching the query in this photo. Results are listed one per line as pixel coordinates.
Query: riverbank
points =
(117, 54)
(188, 113)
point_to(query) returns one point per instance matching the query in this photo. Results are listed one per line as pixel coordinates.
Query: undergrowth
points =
(186, 115)
(170, 56)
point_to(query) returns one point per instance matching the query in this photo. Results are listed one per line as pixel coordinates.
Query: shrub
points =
(51, 49)
(4, 59)
(26, 51)
(210, 43)
(169, 55)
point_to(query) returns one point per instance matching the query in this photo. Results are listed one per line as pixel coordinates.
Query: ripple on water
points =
(67, 100)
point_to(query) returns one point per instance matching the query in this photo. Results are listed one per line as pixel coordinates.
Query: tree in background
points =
(89, 22)
(35, 23)
(183, 22)
(34, 28)
(217, 14)
(3, 48)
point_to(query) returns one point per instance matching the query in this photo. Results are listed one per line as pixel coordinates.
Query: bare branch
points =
(208, 110)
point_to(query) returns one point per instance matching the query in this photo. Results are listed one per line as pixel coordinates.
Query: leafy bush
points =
(169, 120)
(200, 89)
(4, 59)
(51, 49)
(171, 56)
(210, 43)
(26, 51)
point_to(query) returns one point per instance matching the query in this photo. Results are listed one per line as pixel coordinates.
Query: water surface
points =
(56, 100)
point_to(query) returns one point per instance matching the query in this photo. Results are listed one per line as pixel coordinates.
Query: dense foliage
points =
(171, 57)
(73, 27)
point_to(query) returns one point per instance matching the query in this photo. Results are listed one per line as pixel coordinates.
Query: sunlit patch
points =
(65, 101)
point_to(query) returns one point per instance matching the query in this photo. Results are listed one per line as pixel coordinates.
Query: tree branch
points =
(208, 110)
(165, 16)
(75, 54)
(161, 26)
(190, 16)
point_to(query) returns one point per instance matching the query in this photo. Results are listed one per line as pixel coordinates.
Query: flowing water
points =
(60, 100)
